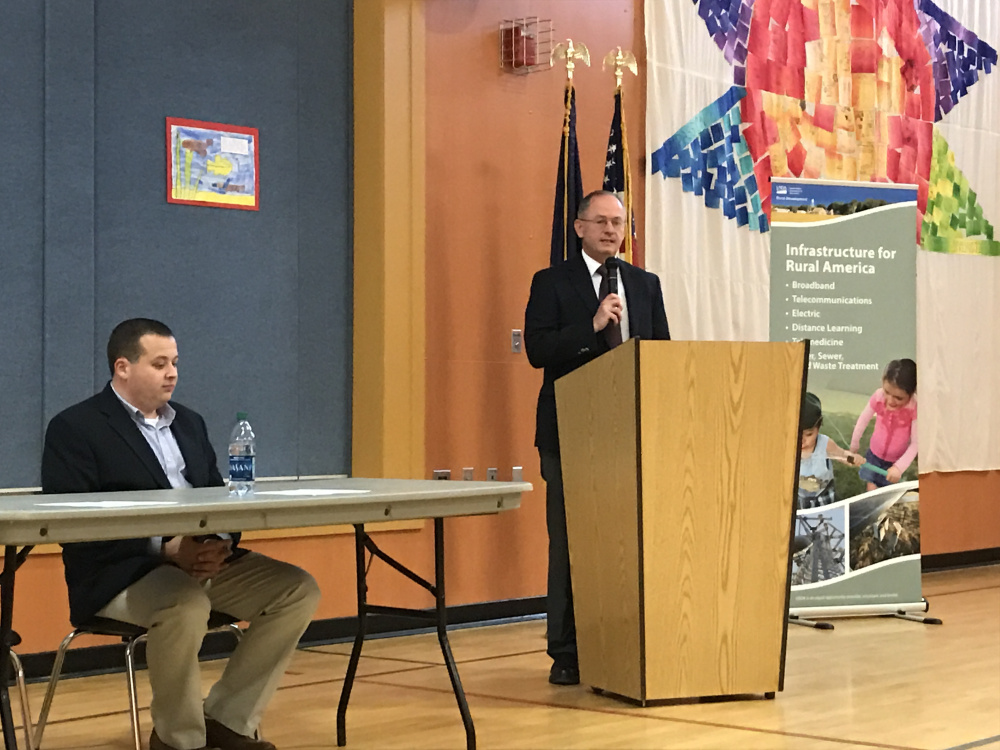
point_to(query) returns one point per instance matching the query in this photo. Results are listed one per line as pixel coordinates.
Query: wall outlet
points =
(441, 474)
(517, 474)
(491, 475)
(516, 341)
(467, 473)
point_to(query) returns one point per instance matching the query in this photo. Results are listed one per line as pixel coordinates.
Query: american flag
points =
(569, 187)
(617, 176)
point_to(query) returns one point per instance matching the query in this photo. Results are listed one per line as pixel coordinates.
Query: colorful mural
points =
(839, 90)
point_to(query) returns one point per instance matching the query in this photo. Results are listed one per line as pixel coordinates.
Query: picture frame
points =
(212, 164)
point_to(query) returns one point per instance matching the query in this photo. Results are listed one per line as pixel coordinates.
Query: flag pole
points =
(569, 51)
(627, 165)
(621, 61)
(565, 162)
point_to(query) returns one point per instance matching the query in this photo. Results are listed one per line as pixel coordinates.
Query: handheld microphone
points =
(612, 268)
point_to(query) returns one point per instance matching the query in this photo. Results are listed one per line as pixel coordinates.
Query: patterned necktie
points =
(612, 331)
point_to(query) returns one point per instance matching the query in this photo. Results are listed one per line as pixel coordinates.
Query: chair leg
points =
(133, 693)
(50, 691)
(25, 708)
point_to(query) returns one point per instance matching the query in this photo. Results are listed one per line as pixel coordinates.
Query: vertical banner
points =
(843, 274)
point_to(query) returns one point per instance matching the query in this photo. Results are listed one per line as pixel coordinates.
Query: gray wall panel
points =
(256, 298)
(325, 241)
(225, 280)
(21, 236)
(69, 202)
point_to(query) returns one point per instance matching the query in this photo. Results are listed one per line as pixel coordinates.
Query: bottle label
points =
(242, 468)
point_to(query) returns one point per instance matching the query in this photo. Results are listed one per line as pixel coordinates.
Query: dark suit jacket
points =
(95, 446)
(559, 331)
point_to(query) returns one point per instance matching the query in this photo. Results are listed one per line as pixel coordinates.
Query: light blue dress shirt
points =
(161, 439)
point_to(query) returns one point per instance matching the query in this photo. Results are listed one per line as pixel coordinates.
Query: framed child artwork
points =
(210, 164)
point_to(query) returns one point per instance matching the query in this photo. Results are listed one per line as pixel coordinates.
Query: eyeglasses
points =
(616, 222)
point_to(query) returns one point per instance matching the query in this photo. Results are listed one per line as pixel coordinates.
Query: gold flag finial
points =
(621, 60)
(570, 52)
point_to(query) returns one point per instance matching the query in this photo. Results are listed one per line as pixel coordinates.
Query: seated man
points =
(130, 437)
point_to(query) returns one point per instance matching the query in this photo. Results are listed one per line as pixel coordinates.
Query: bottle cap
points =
(240, 416)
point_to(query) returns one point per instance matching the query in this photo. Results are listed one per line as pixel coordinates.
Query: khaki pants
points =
(277, 599)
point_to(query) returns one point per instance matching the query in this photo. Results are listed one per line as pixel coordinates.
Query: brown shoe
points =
(224, 738)
(155, 743)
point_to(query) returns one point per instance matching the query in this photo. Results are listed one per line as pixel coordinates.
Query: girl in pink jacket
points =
(894, 441)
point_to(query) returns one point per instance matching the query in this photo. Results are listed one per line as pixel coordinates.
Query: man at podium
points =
(578, 310)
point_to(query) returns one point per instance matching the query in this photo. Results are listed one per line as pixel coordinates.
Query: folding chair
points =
(131, 635)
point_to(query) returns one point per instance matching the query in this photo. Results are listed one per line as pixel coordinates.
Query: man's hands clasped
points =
(200, 558)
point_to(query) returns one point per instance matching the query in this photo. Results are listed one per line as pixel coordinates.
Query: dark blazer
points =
(559, 331)
(95, 446)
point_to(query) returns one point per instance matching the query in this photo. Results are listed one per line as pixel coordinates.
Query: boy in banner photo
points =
(893, 444)
(816, 481)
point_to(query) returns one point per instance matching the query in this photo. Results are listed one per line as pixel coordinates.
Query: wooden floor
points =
(871, 683)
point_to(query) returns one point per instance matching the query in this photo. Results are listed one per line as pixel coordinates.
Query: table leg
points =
(364, 542)
(442, 631)
(352, 666)
(10, 563)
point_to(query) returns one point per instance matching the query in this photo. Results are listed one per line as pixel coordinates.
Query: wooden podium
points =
(680, 464)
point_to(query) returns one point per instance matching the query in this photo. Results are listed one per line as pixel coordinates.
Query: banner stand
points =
(843, 275)
(902, 611)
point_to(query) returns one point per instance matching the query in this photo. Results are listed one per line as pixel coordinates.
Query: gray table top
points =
(40, 519)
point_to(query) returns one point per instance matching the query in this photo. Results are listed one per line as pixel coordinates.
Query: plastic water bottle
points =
(242, 458)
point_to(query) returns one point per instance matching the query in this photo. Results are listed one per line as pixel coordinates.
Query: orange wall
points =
(492, 153)
(959, 511)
